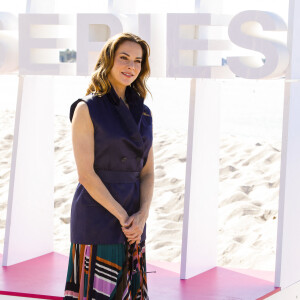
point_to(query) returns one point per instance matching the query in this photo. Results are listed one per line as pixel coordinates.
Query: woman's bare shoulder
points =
(81, 104)
(81, 114)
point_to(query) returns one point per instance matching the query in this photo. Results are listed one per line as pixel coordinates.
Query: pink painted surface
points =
(265, 275)
(171, 266)
(40, 277)
(44, 277)
(215, 284)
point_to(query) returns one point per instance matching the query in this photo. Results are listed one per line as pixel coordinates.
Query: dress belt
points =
(118, 176)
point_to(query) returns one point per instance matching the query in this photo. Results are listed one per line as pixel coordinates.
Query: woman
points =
(112, 143)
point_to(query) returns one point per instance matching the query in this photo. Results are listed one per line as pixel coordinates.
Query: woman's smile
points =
(128, 75)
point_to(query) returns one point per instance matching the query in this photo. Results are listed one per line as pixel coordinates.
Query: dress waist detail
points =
(118, 176)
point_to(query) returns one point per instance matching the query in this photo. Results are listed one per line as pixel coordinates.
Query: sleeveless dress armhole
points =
(72, 108)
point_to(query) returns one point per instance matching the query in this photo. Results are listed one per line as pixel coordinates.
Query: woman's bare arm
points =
(83, 148)
(135, 224)
(147, 184)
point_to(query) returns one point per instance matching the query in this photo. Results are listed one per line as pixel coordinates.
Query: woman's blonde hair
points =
(99, 81)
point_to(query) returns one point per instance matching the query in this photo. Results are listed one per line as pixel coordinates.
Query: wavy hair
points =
(100, 84)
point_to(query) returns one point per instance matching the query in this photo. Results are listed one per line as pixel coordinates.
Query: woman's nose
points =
(131, 65)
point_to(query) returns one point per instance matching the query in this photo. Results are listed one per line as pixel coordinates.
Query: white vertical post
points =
(199, 234)
(37, 6)
(29, 221)
(288, 242)
(28, 231)
(199, 237)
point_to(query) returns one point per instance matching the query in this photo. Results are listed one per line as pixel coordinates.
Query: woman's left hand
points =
(134, 227)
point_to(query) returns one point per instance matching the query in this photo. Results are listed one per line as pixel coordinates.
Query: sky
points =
(279, 7)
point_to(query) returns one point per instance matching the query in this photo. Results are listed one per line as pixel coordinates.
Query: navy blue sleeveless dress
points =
(102, 265)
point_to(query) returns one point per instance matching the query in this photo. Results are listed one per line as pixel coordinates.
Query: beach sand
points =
(248, 194)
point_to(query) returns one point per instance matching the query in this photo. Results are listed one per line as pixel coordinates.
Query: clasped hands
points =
(133, 228)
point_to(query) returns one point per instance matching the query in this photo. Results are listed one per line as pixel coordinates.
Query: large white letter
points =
(245, 30)
(39, 44)
(152, 28)
(93, 30)
(180, 44)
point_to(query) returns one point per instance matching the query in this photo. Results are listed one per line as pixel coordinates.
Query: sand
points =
(248, 194)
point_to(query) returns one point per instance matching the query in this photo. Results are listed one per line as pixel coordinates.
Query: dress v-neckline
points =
(128, 108)
(126, 104)
(135, 104)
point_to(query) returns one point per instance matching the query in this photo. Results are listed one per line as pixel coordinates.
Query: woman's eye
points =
(123, 57)
(139, 61)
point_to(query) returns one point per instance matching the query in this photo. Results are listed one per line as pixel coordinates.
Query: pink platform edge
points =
(44, 277)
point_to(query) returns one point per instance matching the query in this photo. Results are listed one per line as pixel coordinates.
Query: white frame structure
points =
(30, 202)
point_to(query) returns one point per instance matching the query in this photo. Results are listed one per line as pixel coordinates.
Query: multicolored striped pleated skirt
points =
(107, 272)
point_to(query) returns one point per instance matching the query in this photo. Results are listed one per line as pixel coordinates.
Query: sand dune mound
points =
(248, 194)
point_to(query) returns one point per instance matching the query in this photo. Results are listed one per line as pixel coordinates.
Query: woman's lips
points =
(127, 74)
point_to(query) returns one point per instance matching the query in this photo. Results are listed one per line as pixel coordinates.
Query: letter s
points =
(245, 31)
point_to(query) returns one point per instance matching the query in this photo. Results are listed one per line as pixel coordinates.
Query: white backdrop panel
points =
(29, 224)
(199, 234)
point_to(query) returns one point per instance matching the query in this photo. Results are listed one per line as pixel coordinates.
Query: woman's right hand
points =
(123, 218)
(132, 237)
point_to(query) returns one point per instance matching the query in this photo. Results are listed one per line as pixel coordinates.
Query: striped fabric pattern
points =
(105, 272)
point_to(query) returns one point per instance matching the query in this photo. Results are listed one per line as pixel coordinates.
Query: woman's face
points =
(127, 64)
